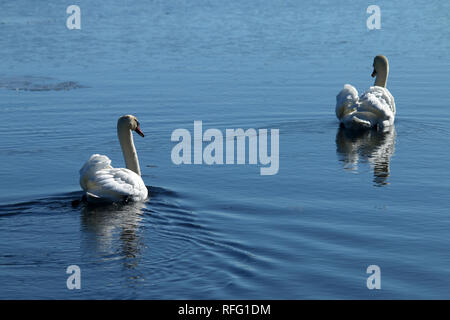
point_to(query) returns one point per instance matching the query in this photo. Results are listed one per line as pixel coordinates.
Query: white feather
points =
(374, 108)
(102, 182)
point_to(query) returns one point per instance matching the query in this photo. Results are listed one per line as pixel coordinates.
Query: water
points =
(338, 204)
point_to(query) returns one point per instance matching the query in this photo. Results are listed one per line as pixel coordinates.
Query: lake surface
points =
(339, 203)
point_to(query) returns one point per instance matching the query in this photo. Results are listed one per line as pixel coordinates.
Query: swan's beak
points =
(139, 132)
(374, 73)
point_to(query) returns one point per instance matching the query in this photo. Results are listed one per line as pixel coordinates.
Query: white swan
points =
(103, 183)
(373, 109)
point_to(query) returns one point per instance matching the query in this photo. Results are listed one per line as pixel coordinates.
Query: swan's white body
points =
(373, 109)
(103, 183)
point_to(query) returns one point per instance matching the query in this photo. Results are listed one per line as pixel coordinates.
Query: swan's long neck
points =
(128, 149)
(382, 76)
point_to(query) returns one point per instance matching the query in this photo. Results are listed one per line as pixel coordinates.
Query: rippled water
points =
(339, 203)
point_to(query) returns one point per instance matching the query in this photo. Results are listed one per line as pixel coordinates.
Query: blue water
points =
(339, 203)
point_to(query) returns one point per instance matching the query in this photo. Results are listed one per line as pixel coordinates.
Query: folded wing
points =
(101, 182)
(379, 101)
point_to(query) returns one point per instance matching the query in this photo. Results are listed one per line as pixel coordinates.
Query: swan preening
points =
(373, 109)
(103, 183)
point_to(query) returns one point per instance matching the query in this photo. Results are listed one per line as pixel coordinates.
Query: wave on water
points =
(154, 243)
(74, 200)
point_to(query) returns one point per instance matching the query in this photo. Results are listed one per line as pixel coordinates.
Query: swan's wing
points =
(379, 101)
(102, 182)
(346, 101)
(95, 163)
(117, 184)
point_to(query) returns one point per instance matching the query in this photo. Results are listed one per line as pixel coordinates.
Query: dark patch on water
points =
(32, 83)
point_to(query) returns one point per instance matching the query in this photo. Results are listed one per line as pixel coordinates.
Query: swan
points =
(103, 183)
(373, 109)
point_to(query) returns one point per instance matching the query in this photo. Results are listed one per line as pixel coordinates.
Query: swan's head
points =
(130, 122)
(380, 65)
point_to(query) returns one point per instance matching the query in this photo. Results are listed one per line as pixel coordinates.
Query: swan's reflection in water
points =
(113, 231)
(371, 146)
